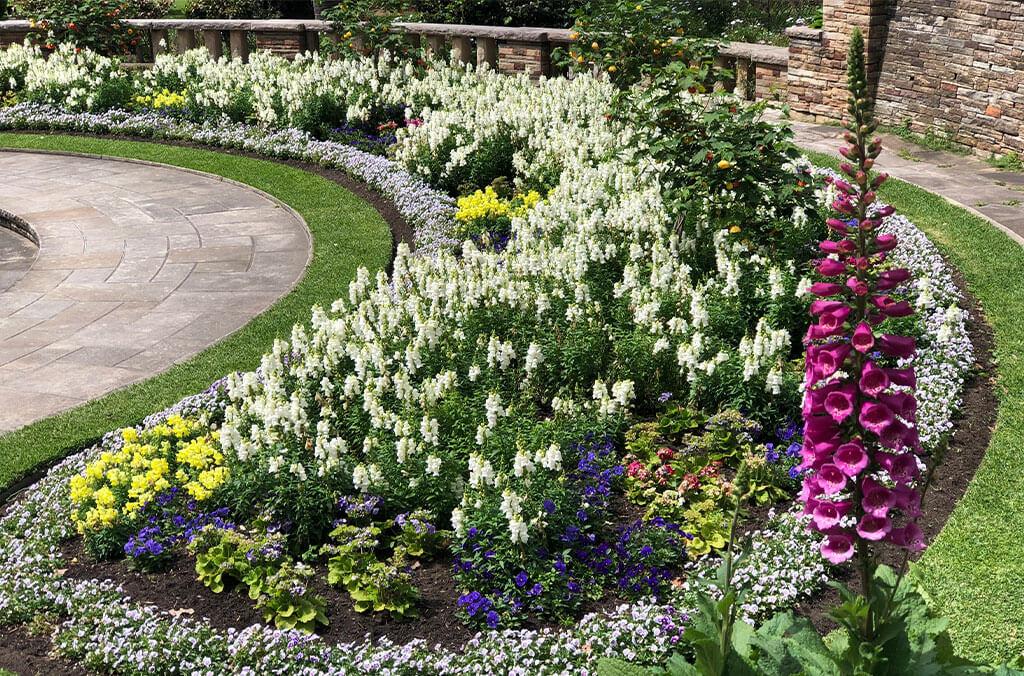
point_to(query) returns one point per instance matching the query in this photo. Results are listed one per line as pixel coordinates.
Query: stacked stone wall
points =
(951, 66)
(957, 66)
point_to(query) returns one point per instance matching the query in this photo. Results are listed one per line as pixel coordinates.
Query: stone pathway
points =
(966, 180)
(139, 267)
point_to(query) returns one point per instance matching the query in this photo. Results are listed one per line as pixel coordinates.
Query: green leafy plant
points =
(258, 559)
(554, 13)
(1009, 162)
(220, 557)
(353, 554)
(630, 40)
(367, 26)
(92, 24)
(385, 586)
(232, 9)
(417, 535)
(286, 600)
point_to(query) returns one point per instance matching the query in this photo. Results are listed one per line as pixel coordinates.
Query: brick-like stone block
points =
(532, 58)
(12, 37)
(283, 43)
(953, 65)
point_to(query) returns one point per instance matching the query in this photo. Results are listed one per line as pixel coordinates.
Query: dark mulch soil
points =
(28, 654)
(177, 590)
(971, 435)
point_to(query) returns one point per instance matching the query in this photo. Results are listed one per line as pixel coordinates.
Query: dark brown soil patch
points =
(178, 591)
(28, 655)
(971, 435)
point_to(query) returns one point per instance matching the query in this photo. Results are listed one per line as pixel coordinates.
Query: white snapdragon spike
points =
(550, 458)
(767, 348)
(522, 465)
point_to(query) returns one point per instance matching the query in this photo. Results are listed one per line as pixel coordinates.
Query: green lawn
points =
(347, 233)
(974, 571)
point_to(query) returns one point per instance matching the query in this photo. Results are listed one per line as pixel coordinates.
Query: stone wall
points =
(13, 37)
(955, 66)
(817, 58)
(533, 58)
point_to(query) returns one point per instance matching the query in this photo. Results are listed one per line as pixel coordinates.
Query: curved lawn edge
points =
(974, 570)
(348, 233)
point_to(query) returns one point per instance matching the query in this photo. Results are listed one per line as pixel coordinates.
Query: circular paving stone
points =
(139, 267)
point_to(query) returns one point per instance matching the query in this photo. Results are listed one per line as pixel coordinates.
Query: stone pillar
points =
(462, 50)
(533, 58)
(158, 41)
(744, 87)
(239, 43)
(184, 40)
(214, 42)
(487, 52)
(435, 46)
(817, 58)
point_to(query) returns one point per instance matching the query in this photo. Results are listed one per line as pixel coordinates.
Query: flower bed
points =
(551, 407)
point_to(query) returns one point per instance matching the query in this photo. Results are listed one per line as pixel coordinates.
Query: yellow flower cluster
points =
(178, 452)
(163, 99)
(487, 205)
(200, 467)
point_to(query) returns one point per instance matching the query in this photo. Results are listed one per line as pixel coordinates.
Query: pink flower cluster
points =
(860, 438)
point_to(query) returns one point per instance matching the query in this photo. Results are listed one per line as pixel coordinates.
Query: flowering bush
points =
(258, 559)
(860, 437)
(111, 495)
(628, 40)
(162, 99)
(486, 218)
(171, 519)
(365, 26)
(83, 24)
(362, 536)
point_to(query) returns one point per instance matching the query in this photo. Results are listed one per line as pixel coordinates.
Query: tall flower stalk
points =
(860, 438)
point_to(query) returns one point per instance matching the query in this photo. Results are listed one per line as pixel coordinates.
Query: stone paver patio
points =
(139, 267)
(966, 180)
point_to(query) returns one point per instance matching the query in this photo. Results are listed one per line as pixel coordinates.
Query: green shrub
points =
(365, 26)
(232, 9)
(555, 13)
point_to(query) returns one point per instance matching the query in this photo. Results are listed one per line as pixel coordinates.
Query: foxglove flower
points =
(860, 437)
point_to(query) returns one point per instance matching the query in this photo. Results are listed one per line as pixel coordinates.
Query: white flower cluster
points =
(74, 79)
(420, 379)
(945, 354)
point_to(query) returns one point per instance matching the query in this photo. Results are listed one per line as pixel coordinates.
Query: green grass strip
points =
(347, 233)
(974, 571)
